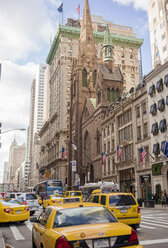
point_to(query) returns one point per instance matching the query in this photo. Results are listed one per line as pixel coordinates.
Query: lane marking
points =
(153, 224)
(149, 227)
(17, 235)
(156, 241)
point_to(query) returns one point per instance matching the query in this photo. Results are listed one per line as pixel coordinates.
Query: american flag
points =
(64, 153)
(78, 9)
(142, 155)
(119, 151)
(103, 158)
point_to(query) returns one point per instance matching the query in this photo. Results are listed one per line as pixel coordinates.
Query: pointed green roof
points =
(107, 37)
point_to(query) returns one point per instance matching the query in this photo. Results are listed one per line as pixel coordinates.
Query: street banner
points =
(74, 165)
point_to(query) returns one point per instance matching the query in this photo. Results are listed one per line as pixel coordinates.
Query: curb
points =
(2, 242)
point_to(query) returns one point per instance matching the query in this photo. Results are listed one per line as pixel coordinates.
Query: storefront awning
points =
(159, 85)
(156, 148)
(153, 108)
(161, 104)
(166, 80)
(151, 90)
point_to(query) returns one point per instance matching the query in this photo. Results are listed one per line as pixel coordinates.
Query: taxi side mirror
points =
(34, 219)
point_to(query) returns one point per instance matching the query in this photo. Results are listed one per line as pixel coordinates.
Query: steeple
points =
(108, 46)
(87, 45)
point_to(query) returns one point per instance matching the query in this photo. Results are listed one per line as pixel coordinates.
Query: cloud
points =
(14, 103)
(25, 27)
(137, 4)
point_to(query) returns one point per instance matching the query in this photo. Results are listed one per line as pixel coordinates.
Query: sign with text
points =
(74, 165)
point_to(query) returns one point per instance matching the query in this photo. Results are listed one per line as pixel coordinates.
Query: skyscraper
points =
(158, 26)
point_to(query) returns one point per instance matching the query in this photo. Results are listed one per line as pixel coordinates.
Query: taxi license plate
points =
(123, 210)
(18, 212)
(99, 243)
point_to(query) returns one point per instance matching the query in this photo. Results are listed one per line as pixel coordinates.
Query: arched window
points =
(117, 94)
(108, 94)
(99, 97)
(84, 78)
(94, 78)
(112, 95)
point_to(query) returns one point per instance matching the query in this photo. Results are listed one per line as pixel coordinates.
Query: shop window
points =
(162, 125)
(153, 109)
(166, 80)
(159, 85)
(84, 78)
(156, 149)
(161, 105)
(155, 129)
(163, 144)
(152, 90)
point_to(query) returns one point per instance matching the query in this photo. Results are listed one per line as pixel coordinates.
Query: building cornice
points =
(155, 72)
(73, 32)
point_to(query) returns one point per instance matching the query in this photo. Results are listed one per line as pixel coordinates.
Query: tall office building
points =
(5, 172)
(158, 26)
(16, 157)
(39, 98)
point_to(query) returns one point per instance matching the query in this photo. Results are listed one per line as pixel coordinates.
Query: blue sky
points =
(26, 29)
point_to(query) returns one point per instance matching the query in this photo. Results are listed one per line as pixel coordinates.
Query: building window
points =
(146, 148)
(138, 133)
(159, 85)
(84, 78)
(112, 95)
(154, 20)
(108, 94)
(105, 148)
(144, 107)
(152, 90)
(163, 36)
(162, 24)
(117, 94)
(112, 128)
(94, 78)
(109, 166)
(132, 68)
(145, 130)
(163, 144)
(122, 55)
(156, 149)
(138, 112)
(98, 142)
(153, 4)
(131, 50)
(108, 130)
(161, 105)
(108, 147)
(166, 80)
(99, 97)
(123, 62)
(123, 67)
(155, 129)
(153, 109)
(131, 56)
(162, 125)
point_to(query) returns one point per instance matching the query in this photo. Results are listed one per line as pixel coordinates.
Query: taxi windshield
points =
(83, 216)
(121, 200)
(56, 197)
(75, 193)
(10, 203)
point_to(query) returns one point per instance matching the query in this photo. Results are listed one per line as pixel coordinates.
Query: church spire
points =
(87, 45)
(108, 46)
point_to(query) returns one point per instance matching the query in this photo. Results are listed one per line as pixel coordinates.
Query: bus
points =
(88, 188)
(49, 187)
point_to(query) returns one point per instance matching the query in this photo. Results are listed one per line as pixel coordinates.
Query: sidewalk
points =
(2, 242)
(157, 206)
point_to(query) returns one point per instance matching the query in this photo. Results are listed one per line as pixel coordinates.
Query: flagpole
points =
(148, 153)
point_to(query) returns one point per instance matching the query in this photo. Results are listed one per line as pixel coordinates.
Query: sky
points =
(26, 31)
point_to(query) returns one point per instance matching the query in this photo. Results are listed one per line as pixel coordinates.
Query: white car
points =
(31, 200)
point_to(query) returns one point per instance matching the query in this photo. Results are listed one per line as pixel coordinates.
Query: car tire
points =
(22, 221)
(32, 212)
(136, 227)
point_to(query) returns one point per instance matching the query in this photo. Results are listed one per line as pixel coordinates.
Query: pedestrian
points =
(156, 198)
(163, 200)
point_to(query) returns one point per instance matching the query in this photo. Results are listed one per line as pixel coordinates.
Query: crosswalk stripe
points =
(17, 235)
(156, 220)
(149, 227)
(156, 241)
(29, 225)
(153, 224)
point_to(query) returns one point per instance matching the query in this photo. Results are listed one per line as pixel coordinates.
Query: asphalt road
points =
(152, 233)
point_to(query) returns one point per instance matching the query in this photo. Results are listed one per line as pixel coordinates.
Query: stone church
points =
(96, 82)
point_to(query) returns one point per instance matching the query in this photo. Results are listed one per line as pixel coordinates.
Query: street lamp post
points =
(14, 129)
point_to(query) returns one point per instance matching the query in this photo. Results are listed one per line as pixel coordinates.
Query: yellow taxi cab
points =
(52, 200)
(71, 194)
(76, 225)
(11, 210)
(123, 205)
(39, 200)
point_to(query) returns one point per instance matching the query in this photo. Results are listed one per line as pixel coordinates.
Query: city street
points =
(152, 233)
